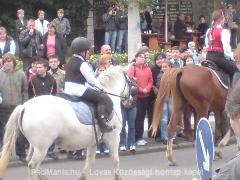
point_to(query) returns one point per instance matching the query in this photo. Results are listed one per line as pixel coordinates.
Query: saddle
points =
(222, 77)
(85, 111)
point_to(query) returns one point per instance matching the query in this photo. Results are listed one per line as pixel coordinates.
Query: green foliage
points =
(123, 57)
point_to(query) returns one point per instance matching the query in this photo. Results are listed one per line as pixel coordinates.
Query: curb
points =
(153, 147)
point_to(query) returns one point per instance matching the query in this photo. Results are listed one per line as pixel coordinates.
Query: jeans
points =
(167, 110)
(121, 37)
(110, 39)
(142, 104)
(129, 116)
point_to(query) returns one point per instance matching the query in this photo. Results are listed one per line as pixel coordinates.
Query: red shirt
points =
(144, 78)
(214, 37)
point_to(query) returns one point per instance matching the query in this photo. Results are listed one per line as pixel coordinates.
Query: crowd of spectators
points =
(42, 48)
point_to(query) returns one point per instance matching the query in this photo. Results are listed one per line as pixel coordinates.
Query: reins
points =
(125, 85)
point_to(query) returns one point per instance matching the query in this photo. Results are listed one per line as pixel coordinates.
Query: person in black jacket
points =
(202, 29)
(180, 27)
(21, 23)
(42, 83)
(31, 42)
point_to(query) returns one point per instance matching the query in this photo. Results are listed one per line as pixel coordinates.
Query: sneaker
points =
(132, 148)
(141, 142)
(122, 148)
(98, 152)
(175, 141)
(106, 151)
(164, 141)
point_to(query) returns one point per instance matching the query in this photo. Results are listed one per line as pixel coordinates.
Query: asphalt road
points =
(150, 166)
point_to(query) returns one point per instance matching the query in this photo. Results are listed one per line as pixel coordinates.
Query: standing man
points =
(31, 42)
(57, 73)
(21, 23)
(109, 19)
(43, 84)
(63, 26)
(218, 45)
(122, 21)
(105, 49)
(13, 87)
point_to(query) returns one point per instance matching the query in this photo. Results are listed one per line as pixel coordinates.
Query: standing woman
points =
(143, 74)
(53, 44)
(156, 69)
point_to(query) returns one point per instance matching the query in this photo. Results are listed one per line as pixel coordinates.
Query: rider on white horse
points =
(78, 73)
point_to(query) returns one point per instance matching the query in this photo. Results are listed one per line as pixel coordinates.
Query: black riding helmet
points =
(80, 44)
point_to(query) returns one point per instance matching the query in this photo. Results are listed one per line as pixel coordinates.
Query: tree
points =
(134, 29)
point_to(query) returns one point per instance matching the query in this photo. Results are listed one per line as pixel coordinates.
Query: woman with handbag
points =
(143, 75)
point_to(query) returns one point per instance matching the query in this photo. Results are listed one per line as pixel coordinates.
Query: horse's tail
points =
(168, 85)
(10, 136)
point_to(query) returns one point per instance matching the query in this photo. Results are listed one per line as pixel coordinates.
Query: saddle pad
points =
(223, 78)
(83, 112)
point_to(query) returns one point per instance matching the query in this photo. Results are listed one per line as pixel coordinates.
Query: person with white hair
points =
(192, 51)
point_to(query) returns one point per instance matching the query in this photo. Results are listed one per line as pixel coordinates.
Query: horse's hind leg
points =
(223, 142)
(33, 165)
(91, 153)
(30, 153)
(112, 141)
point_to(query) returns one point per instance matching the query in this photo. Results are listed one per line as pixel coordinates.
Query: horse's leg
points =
(223, 142)
(33, 165)
(112, 141)
(218, 133)
(176, 114)
(187, 122)
(30, 152)
(90, 159)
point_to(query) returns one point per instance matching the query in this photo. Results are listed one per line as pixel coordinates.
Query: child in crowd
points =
(167, 107)
(189, 60)
(193, 52)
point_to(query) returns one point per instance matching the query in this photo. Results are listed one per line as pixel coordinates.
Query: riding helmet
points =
(80, 44)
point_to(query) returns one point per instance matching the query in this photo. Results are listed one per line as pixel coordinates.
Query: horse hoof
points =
(42, 177)
(218, 154)
(117, 177)
(172, 163)
(82, 177)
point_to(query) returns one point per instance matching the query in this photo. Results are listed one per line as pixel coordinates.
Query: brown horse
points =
(191, 84)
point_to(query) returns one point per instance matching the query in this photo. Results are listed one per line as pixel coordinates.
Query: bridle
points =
(127, 82)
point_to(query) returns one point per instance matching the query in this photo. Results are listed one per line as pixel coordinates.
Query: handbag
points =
(131, 102)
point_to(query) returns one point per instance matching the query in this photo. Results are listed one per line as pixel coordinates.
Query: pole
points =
(166, 21)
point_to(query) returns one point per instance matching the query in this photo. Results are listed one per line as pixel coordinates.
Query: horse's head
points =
(115, 80)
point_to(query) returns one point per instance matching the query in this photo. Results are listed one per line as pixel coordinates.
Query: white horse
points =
(45, 120)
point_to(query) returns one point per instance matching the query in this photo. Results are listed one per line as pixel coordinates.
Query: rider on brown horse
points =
(218, 45)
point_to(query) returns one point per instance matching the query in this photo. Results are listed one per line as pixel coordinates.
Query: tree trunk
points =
(134, 30)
